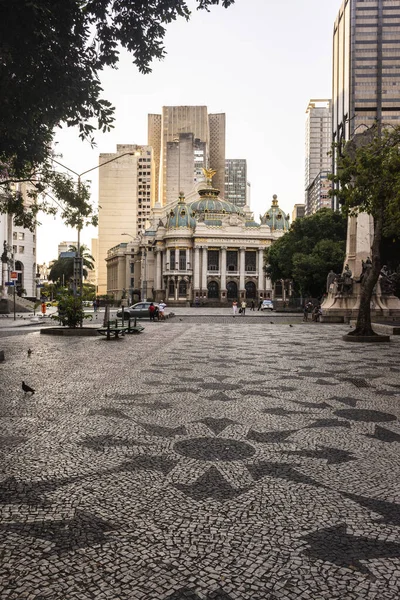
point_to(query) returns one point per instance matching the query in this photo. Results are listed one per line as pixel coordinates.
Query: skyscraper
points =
(126, 193)
(366, 66)
(318, 145)
(172, 151)
(236, 181)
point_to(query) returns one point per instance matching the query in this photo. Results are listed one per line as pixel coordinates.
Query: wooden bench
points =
(113, 329)
(135, 328)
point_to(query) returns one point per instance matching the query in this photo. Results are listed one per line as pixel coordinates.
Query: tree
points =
(368, 179)
(52, 53)
(307, 252)
(62, 269)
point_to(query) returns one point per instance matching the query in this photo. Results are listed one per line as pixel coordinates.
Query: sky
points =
(259, 62)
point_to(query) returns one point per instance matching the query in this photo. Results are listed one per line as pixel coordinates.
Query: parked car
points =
(52, 303)
(267, 305)
(139, 310)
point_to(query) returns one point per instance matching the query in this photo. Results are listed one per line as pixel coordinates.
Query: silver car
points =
(139, 310)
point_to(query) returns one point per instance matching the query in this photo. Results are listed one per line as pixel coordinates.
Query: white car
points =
(267, 305)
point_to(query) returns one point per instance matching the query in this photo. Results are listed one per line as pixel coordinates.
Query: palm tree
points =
(88, 260)
(63, 268)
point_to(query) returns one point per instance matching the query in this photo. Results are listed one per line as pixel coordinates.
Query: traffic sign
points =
(13, 275)
(10, 283)
(67, 254)
(39, 285)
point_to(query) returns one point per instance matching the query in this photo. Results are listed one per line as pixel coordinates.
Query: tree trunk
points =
(369, 280)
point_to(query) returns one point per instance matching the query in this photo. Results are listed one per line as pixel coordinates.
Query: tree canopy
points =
(51, 55)
(368, 180)
(307, 252)
(62, 269)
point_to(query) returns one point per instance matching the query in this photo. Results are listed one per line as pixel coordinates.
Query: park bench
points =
(113, 329)
(135, 328)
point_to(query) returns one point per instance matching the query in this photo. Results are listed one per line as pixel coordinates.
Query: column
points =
(196, 270)
(168, 259)
(177, 280)
(222, 267)
(261, 275)
(158, 270)
(242, 269)
(204, 271)
(188, 259)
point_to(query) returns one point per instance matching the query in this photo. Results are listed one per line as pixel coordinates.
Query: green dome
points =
(210, 203)
(181, 216)
(275, 218)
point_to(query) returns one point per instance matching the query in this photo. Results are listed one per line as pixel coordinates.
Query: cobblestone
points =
(206, 459)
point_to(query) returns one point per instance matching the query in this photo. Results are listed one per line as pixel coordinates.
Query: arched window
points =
(171, 288)
(182, 288)
(232, 291)
(213, 289)
(250, 290)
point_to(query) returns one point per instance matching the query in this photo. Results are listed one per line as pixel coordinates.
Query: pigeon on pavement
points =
(27, 389)
(29, 352)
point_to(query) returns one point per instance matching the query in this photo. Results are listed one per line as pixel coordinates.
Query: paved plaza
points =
(205, 459)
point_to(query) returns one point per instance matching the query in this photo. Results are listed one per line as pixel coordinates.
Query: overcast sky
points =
(259, 61)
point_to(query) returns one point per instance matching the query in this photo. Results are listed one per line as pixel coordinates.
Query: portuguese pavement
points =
(205, 459)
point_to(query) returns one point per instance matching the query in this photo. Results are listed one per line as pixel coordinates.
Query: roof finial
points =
(274, 200)
(209, 174)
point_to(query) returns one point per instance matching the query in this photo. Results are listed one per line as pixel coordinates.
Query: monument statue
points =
(345, 281)
(209, 174)
(330, 280)
(387, 281)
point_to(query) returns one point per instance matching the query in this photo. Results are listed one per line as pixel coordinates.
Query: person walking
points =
(243, 307)
(253, 306)
(305, 312)
(234, 307)
(260, 303)
(161, 308)
(152, 312)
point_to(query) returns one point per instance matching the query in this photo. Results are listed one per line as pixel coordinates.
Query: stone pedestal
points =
(341, 307)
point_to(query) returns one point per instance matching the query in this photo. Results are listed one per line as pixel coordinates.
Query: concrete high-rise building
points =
(318, 146)
(236, 181)
(366, 66)
(126, 194)
(298, 212)
(186, 157)
(172, 151)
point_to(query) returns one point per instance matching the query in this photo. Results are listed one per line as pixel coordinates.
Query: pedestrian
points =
(161, 308)
(152, 310)
(98, 303)
(243, 307)
(260, 303)
(305, 312)
(43, 307)
(252, 305)
(94, 306)
(197, 301)
(156, 313)
(234, 307)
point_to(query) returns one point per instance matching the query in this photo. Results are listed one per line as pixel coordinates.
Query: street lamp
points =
(78, 263)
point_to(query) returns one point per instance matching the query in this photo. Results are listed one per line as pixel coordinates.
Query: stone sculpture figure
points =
(330, 280)
(387, 281)
(345, 281)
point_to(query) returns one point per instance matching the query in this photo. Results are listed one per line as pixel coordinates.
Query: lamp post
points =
(130, 286)
(78, 262)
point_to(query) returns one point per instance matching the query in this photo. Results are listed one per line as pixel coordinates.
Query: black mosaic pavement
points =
(202, 460)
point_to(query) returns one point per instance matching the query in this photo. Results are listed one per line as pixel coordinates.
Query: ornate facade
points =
(203, 247)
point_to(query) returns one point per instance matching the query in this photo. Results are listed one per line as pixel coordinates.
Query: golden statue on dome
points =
(209, 174)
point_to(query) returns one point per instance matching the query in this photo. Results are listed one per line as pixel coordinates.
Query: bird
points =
(181, 319)
(271, 322)
(290, 325)
(29, 352)
(27, 389)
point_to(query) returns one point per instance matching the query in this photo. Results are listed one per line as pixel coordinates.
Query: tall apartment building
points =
(126, 194)
(318, 146)
(20, 246)
(298, 212)
(236, 181)
(171, 150)
(366, 66)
